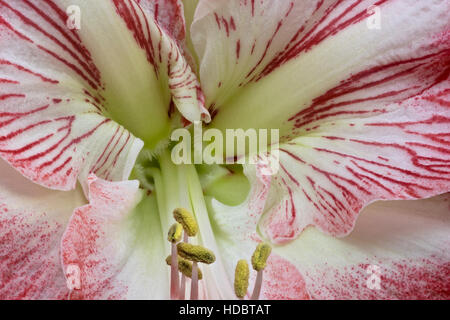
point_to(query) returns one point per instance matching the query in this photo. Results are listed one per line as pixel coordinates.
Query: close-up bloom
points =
(95, 97)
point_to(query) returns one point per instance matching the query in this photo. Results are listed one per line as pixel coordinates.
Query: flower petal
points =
(404, 242)
(60, 88)
(117, 244)
(146, 56)
(326, 178)
(32, 222)
(175, 17)
(286, 64)
(169, 15)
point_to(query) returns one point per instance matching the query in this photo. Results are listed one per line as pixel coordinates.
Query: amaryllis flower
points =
(88, 185)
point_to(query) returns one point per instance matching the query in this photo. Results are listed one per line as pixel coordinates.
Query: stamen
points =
(185, 267)
(259, 262)
(241, 277)
(195, 253)
(187, 220)
(174, 236)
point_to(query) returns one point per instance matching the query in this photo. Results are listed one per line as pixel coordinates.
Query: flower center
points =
(178, 186)
(191, 246)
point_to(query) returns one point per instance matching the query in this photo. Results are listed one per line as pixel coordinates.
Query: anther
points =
(195, 253)
(260, 256)
(241, 277)
(175, 233)
(187, 220)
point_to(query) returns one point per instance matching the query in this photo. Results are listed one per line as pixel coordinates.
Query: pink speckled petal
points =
(282, 281)
(32, 222)
(117, 244)
(404, 242)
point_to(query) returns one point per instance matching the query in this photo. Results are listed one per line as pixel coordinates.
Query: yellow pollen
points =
(187, 220)
(175, 233)
(260, 256)
(185, 267)
(241, 277)
(195, 253)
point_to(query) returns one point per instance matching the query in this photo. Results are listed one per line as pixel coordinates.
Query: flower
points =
(362, 113)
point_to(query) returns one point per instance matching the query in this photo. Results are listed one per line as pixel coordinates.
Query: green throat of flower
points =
(183, 214)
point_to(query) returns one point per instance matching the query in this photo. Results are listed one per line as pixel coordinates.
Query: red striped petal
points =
(60, 89)
(169, 14)
(285, 64)
(363, 113)
(328, 176)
